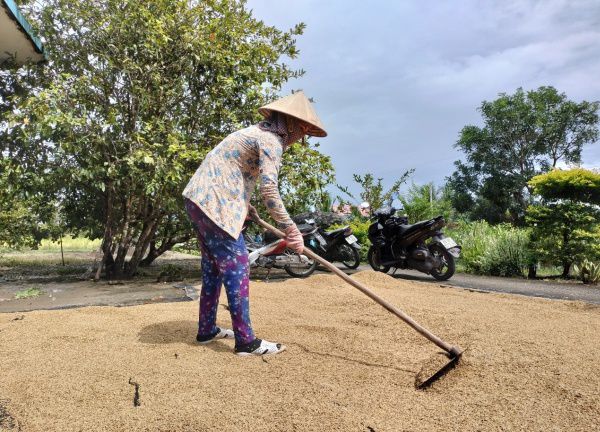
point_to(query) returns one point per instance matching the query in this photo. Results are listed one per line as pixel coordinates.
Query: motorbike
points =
(421, 246)
(336, 245)
(274, 253)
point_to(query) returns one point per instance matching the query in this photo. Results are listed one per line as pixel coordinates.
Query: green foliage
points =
(373, 192)
(170, 273)
(189, 247)
(565, 228)
(575, 184)
(16, 225)
(26, 207)
(524, 134)
(425, 202)
(496, 250)
(587, 271)
(564, 232)
(133, 97)
(304, 174)
(360, 228)
(326, 202)
(28, 293)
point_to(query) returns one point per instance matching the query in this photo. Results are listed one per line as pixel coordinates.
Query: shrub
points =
(588, 272)
(170, 273)
(500, 250)
(567, 215)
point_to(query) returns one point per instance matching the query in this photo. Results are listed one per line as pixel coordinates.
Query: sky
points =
(395, 81)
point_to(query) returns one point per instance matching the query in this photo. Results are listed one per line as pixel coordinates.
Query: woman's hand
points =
(294, 239)
(252, 213)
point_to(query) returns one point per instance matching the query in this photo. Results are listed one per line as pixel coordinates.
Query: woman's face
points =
(299, 127)
(304, 127)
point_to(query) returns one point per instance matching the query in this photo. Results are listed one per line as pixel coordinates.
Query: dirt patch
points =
(530, 364)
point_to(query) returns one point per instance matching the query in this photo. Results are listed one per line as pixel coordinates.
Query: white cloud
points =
(396, 81)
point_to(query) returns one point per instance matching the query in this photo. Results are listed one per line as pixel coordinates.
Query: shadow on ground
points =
(173, 332)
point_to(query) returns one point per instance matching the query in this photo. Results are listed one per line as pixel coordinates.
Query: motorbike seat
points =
(407, 229)
(336, 231)
(385, 212)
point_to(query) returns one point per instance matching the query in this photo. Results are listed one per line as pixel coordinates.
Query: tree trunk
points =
(151, 256)
(166, 245)
(107, 239)
(566, 263)
(142, 243)
(126, 235)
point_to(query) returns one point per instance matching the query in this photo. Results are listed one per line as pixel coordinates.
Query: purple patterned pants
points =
(224, 262)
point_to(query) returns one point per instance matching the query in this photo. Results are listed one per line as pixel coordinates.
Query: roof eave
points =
(24, 26)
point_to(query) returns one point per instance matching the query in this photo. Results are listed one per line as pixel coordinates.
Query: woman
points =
(218, 201)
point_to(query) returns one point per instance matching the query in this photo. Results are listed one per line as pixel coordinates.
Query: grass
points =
(28, 293)
(47, 259)
(70, 244)
(77, 244)
(35, 258)
(548, 271)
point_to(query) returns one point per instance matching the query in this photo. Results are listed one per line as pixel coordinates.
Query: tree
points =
(138, 93)
(576, 184)
(26, 210)
(373, 191)
(524, 134)
(565, 224)
(426, 201)
(304, 174)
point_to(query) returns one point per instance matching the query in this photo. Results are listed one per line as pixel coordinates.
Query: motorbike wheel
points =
(351, 255)
(446, 270)
(300, 272)
(374, 260)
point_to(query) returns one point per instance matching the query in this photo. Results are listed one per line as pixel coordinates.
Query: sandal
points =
(259, 347)
(220, 334)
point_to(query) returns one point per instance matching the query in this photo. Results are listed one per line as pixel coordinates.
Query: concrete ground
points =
(70, 292)
(550, 289)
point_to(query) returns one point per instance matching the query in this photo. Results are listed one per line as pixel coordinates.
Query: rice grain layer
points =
(530, 364)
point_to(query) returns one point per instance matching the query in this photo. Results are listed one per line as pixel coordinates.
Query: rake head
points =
(436, 367)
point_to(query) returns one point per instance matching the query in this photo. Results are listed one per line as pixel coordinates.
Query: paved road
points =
(76, 294)
(526, 287)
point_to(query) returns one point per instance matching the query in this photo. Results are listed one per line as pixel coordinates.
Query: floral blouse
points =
(224, 182)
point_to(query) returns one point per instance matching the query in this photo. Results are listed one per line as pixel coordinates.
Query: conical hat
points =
(297, 105)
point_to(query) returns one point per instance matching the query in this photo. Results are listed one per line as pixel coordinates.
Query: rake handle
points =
(454, 350)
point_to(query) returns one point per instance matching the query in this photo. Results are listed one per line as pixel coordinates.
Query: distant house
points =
(17, 39)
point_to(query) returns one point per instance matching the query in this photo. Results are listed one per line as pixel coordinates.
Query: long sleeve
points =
(270, 154)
